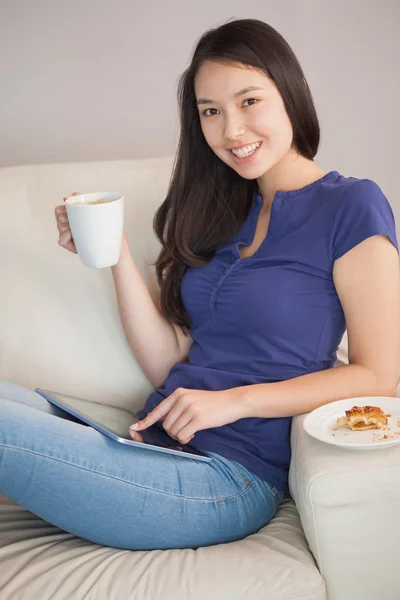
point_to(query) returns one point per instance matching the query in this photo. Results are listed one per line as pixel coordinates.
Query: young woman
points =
(266, 259)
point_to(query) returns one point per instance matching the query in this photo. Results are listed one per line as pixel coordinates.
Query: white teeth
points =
(247, 150)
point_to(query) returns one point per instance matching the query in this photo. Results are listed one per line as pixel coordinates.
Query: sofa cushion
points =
(39, 560)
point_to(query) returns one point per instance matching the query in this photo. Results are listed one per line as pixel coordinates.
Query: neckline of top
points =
(306, 188)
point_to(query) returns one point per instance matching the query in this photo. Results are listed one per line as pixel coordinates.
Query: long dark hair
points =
(207, 201)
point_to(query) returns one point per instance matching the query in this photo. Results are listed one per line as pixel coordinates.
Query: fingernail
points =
(133, 426)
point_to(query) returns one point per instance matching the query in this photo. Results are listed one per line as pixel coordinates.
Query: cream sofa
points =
(335, 537)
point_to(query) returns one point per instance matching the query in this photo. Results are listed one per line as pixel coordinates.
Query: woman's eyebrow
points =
(251, 88)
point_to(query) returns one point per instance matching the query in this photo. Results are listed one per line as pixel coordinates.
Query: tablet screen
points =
(114, 419)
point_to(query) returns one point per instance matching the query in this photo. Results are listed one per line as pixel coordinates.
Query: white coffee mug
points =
(97, 225)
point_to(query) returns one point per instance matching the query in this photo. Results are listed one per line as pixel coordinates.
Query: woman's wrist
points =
(124, 252)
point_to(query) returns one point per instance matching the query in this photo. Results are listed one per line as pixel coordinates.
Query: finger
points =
(67, 242)
(63, 227)
(63, 217)
(136, 436)
(155, 415)
(71, 247)
(60, 209)
(73, 194)
(174, 423)
(65, 237)
(186, 434)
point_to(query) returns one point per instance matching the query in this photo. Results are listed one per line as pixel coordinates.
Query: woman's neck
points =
(293, 172)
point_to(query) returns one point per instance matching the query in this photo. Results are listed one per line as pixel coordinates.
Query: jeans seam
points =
(215, 500)
(242, 474)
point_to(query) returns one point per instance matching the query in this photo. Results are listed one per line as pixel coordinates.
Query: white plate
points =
(321, 424)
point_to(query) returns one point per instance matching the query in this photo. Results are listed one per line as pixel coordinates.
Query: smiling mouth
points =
(245, 151)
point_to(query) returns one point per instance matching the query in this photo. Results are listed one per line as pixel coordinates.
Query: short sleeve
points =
(362, 211)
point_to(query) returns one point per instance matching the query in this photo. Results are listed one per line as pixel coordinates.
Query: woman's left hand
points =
(188, 411)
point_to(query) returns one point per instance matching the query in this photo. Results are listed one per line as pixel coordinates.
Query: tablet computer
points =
(114, 422)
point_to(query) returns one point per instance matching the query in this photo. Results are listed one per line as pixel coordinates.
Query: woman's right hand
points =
(65, 236)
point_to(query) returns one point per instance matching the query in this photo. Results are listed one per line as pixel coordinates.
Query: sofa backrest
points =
(59, 321)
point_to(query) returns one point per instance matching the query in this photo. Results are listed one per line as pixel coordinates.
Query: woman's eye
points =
(252, 100)
(205, 111)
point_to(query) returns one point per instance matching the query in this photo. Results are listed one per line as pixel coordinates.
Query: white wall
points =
(85, 80)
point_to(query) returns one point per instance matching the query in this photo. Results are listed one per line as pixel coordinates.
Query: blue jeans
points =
(85, 483)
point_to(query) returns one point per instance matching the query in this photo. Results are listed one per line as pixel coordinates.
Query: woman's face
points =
(231, 118)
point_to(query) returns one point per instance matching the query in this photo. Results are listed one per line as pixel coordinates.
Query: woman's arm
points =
(367, 281)
(156, 343)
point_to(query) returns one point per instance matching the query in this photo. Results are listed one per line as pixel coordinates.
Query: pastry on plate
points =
(360, 418)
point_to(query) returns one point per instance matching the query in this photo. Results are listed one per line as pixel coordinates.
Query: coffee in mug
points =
(100, 201)
(97, 223)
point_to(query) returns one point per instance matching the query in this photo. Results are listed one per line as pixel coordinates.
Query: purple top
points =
(275, 315)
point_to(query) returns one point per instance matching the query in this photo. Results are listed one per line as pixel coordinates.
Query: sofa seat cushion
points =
(38, 560)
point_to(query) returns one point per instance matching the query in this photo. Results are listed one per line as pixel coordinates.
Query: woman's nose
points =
(233, 129)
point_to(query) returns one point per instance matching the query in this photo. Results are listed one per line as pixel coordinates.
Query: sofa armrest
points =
(349, 502)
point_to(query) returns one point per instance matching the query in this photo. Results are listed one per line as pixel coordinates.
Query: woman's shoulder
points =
(354, 186)
(360, 194)
(361, 210)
